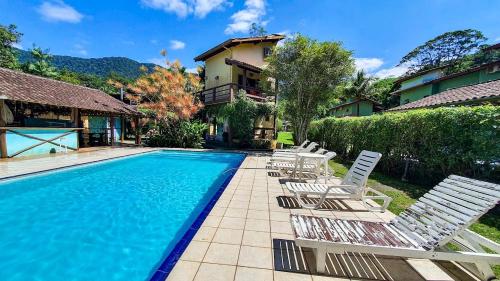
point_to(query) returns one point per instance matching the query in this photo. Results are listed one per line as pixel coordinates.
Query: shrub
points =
(241, 115)
(435, 142)
(177, 133)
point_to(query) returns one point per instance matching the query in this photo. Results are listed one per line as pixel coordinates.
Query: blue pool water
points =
(115, 220)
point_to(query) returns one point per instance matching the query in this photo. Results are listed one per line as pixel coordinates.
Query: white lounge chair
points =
(441, 216)
(293, 157)
(294, 165)
(353, 186)
(308, 148)
(294, 148)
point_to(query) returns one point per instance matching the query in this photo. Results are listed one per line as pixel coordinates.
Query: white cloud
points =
(395, 71)
(177, 45)
(17, 45)
(154, 41)
(497, 39)
(58, 11)
(252, 13)
(368, 64)
(204, 7)
(80, 49)
(182, 8)
(157, 61)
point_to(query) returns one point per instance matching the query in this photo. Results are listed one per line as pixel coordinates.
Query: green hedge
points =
(440, 142)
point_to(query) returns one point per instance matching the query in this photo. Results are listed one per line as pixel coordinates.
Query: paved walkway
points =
(236, 240)
(20, 166)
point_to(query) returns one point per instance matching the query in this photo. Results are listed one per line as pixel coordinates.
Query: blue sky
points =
(378, 32)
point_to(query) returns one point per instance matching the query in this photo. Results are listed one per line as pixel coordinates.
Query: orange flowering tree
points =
(167, 94)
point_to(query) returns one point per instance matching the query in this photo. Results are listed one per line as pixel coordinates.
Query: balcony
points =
(227, 93)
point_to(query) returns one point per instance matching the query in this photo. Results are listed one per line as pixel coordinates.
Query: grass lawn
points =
(404, 194)
(285, 138)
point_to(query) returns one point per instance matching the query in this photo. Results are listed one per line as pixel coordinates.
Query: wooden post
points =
(3, 135)
(75, 117)
(112, 128)
(137, 131)
(123, 129)
(75, 122)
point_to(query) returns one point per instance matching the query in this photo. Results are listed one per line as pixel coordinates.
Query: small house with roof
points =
(40, 116)
(360, 106)
(476, 94)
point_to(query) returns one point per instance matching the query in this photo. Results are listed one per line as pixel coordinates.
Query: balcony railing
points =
(227, 93)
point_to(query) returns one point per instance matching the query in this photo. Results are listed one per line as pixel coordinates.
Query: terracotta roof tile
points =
(24, 87)
(457, 95)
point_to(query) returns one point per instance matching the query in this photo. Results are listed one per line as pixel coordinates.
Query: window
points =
(267, 51)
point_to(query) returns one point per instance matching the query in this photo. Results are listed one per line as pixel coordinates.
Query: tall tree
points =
(41, 64)
(8, 37)
(383, 89)
(444, 49)
(167, 92)
(307, 72)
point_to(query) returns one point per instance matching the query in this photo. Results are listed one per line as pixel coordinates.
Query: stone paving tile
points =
(232, 223)
(253, 274)
(236, 213)
(222, 254)
(184, 271)
(256, 239)
(255, 257)
(215, 272)
(205, 234)
(257, 225)
(228, 236)
(195, 251)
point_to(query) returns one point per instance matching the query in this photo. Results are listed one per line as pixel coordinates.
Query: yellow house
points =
(235, 65)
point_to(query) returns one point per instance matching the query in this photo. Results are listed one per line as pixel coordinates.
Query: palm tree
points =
(361, 86)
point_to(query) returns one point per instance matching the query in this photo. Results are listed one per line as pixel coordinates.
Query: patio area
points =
(248, 236)
(26, 165)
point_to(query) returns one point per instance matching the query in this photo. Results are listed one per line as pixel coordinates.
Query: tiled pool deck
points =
(235, 241)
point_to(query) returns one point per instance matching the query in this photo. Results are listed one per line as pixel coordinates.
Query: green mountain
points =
(102, 67)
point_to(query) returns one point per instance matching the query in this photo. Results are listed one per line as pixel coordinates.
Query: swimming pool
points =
(113, 220)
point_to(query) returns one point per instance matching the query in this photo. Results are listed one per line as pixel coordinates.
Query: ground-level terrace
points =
(248, 236)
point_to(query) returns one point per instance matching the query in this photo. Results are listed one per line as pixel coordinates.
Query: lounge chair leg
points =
(320, 259)
(304, 205)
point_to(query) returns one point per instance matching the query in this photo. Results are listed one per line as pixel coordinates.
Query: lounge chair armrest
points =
(378, 195)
